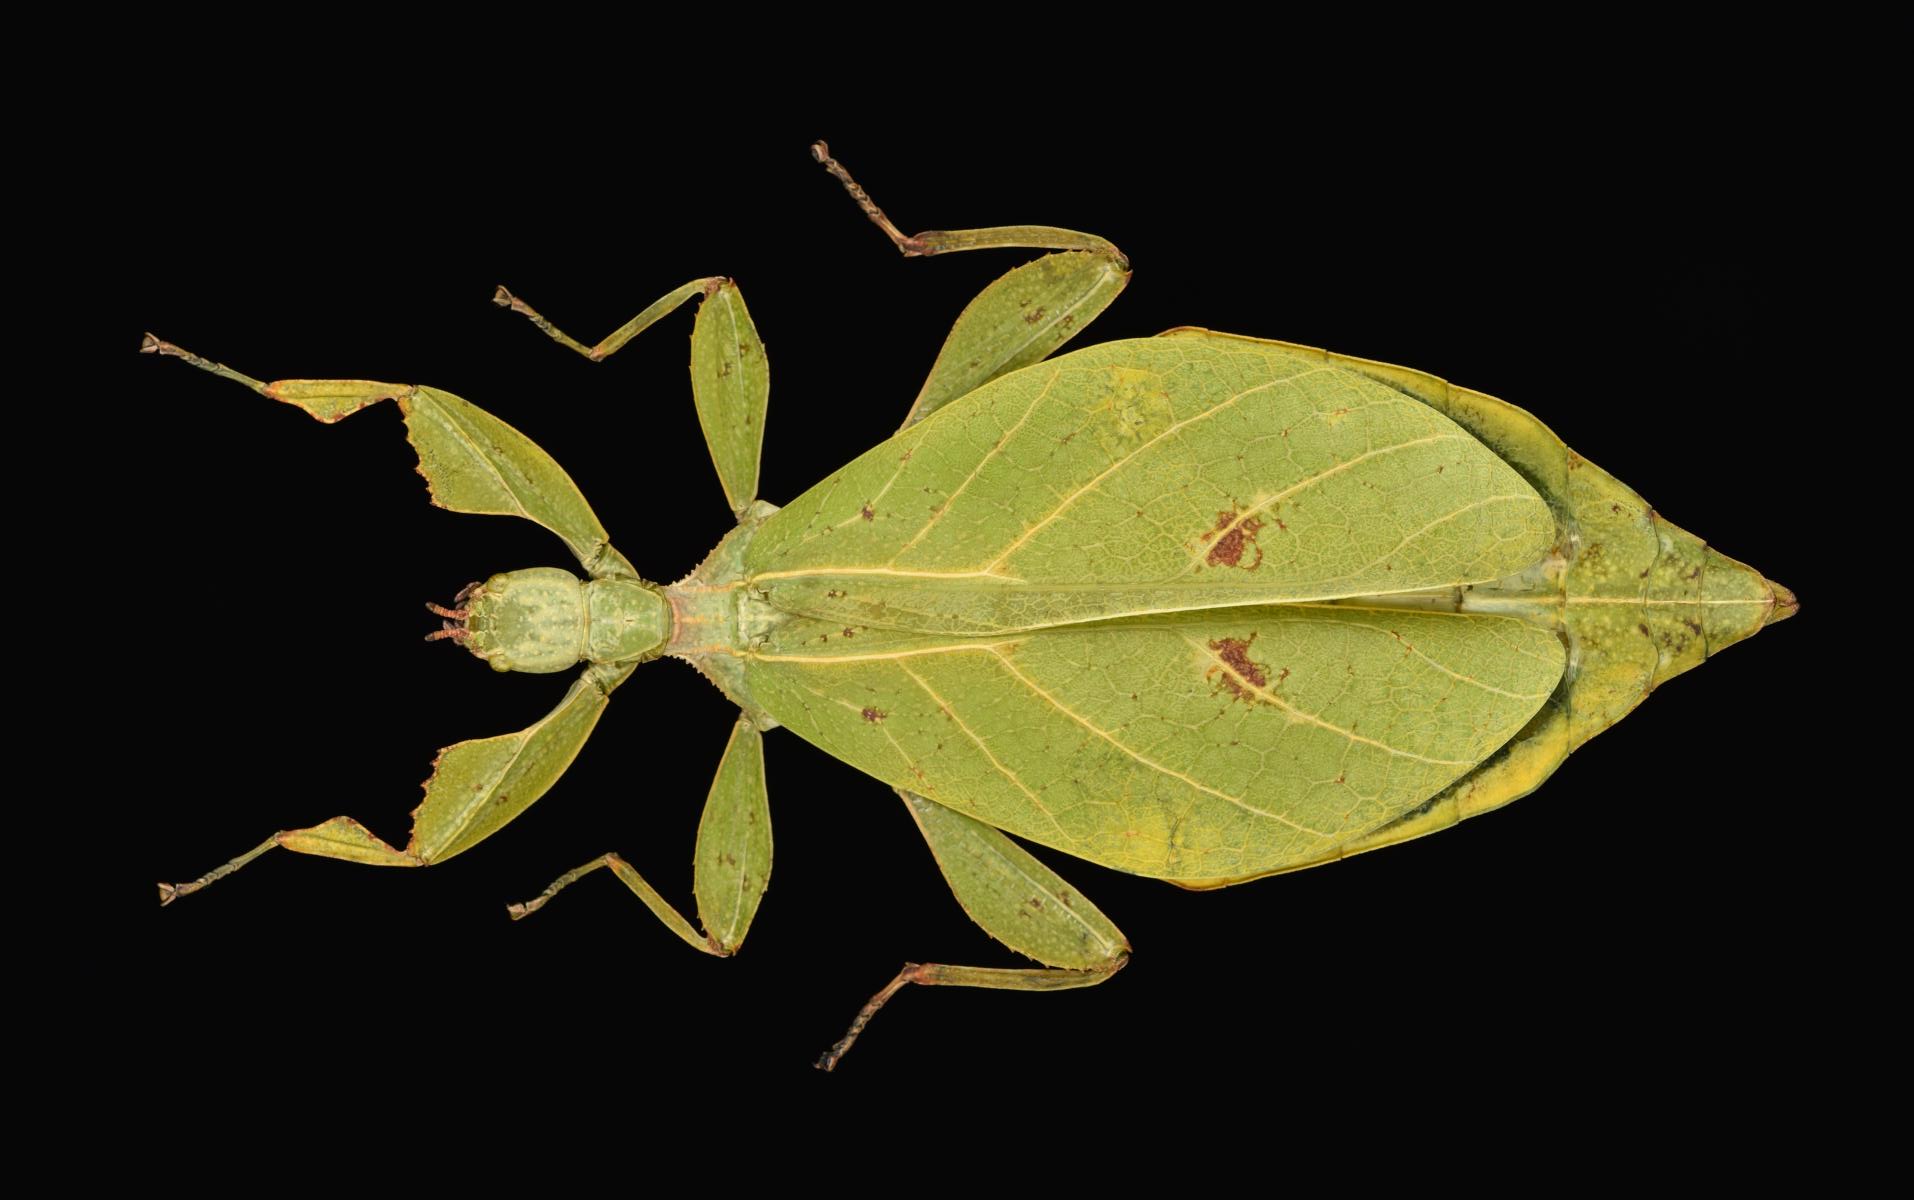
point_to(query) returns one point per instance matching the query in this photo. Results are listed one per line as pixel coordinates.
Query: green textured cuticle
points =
(1199, 607)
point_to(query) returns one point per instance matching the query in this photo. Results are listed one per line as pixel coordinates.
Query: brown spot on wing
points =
(1234, 538)
(1235, 655)
(1228, 550)
(1228, 683)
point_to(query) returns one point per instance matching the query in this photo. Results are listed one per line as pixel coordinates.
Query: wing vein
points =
(1176, 427)
(1003, 441)
(1158, 767)
(1006, 772)
(1339, 468)
(1454, 674)
(1264, 694)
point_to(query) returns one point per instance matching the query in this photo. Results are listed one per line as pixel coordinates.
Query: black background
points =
(1637, 283)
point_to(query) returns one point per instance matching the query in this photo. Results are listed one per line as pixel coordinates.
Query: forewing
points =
(1150, 476)
(1184, 746)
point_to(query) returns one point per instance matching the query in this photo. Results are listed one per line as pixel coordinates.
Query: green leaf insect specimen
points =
(1199, 607)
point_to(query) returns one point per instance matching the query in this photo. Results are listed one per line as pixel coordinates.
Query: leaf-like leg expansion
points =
(1017, 900)
(734, 840)
(472, 461)
(733, 856)
(341, 837)
(1022, 317)
(476, 789)
(730, 379)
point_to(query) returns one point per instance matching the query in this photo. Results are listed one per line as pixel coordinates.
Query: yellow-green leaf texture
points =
(1081, 604)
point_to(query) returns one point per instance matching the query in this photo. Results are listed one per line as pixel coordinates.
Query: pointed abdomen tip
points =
(1785, 605)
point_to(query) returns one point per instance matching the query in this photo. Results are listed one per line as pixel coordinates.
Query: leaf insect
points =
(1199, 607)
